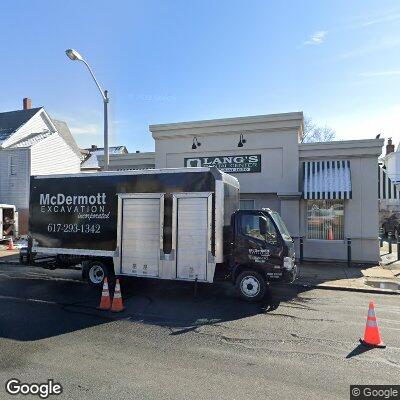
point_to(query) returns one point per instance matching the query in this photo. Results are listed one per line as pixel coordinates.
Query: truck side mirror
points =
(263, 226)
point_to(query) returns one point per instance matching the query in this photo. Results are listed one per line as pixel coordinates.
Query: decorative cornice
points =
(261, 123)
(341, 149)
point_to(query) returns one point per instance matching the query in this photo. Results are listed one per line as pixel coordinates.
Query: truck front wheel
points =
(251, 286)
(95, 271)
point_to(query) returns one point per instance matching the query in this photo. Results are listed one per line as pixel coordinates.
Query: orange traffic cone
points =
(372, 335)
(10, 245)
(330, 233)
(117, 305)
(105, 302)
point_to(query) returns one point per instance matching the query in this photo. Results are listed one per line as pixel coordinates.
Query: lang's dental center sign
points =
(243, 163)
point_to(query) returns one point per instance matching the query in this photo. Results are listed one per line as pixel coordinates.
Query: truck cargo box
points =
(99, 213)
(174, 224)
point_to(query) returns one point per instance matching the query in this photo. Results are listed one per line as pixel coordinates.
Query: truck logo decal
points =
(259, 255)
(86, 206)
(259, 252)
(274, 274)
(60, 199)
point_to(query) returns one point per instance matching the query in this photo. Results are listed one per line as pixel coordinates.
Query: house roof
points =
(66, 134)
(32, 139)
(92, 162)
(10, 121)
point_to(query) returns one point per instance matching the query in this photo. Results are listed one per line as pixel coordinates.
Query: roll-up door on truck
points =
(193, 237)
(141, 230)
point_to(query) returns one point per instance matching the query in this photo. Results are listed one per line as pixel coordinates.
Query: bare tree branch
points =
(314, 133)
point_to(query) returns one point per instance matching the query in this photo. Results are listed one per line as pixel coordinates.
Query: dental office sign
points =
(235, 164)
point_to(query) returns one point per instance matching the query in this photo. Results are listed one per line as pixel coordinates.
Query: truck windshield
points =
(281, 225)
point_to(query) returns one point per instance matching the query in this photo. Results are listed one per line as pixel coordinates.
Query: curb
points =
(348, 289)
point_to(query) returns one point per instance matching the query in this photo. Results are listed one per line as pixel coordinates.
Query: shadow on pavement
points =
(173, 304)
(34, 308)
(37, 304)
(25, 321)
(360, 349)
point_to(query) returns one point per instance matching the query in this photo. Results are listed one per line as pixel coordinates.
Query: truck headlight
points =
(288, 263)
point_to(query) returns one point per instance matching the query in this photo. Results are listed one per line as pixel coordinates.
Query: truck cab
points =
(260, 252)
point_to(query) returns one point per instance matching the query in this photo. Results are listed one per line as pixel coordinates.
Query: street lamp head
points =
(73, 55)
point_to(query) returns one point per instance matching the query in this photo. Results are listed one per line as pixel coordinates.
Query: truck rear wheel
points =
(251, 286)
(95, 271)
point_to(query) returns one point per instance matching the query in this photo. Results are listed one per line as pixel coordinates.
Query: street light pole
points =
(75, 56)
(106, 152)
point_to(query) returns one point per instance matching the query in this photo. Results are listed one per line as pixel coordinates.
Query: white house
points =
(389, 181)
(32, 143)
(391, 162)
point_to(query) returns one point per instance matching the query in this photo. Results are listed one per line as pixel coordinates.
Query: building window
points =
(246, 204)
(13, 166)
(325, 219)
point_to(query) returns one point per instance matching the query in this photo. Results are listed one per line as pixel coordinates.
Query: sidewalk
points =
(8, 256)
(382, 278)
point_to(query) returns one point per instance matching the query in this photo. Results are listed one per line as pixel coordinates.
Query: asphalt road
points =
(169, 345)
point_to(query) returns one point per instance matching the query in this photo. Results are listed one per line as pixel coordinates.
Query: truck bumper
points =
(290, 276)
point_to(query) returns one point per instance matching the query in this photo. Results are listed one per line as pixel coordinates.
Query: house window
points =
(325, 219)
(13, 166)
(246, 204)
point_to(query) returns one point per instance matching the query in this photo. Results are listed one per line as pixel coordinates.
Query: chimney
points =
(27, 103)
(389, 147)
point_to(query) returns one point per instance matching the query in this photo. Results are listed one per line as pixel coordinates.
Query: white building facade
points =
(325, 192)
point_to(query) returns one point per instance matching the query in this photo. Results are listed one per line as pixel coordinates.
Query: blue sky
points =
(170, 61)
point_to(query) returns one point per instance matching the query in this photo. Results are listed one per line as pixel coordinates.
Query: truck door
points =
(193, 236)
(141, 234)
(257, 242)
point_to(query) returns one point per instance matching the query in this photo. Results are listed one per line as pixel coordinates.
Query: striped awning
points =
(327, 179)
(387, 190)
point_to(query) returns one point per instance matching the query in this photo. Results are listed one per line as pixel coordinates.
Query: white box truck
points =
(176, 224)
